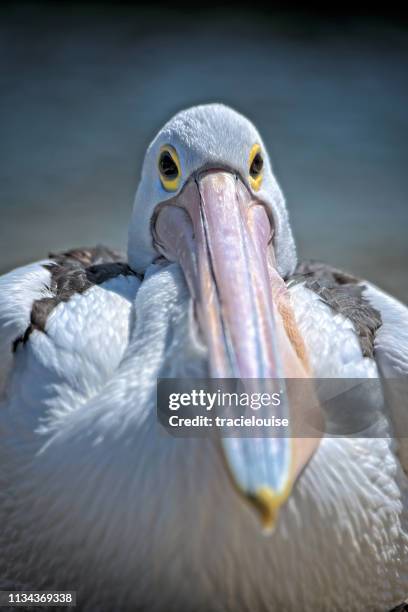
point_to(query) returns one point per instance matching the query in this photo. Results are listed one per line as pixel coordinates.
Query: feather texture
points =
(103, 501)
(391, 354)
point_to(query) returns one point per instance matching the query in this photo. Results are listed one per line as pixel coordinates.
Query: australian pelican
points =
(95, 498)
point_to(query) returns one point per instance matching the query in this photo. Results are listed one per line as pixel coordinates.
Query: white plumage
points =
(95, 497)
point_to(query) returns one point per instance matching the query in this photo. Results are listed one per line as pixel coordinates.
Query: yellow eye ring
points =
(169, 168)
(255, 167)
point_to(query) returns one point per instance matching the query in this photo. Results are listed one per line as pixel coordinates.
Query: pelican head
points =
(208, 199)
(211, 136)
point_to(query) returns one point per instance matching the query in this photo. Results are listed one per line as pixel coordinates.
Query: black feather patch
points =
(73, 272)
(344, 294)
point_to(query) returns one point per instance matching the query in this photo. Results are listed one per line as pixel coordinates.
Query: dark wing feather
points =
(343, 293)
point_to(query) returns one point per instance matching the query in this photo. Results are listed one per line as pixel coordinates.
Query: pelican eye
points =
(256, 164)
(169, 168)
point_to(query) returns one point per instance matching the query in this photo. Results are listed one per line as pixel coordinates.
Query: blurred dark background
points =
(86, 86)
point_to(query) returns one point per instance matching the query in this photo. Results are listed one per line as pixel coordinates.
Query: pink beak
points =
(222, 237)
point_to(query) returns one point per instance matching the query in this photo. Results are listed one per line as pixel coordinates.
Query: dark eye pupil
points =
(167, 166)
(256, 166)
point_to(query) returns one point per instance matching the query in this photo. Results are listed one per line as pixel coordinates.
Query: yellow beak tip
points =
(267, 503)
